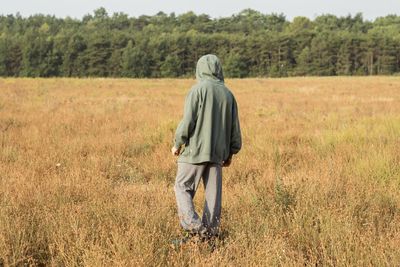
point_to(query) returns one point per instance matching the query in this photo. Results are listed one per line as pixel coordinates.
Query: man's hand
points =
(175, 151)
(227, 162)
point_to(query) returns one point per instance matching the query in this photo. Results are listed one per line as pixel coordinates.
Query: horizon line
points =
(110, 14)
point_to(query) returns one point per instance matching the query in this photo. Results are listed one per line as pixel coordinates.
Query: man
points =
(205, 140)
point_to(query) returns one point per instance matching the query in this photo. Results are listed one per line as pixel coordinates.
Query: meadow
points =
(86, 174)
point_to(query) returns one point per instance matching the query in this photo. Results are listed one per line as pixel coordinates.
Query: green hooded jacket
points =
(209, 130)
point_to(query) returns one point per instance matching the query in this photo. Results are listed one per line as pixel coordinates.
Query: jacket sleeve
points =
(236, 137)
(188, 123)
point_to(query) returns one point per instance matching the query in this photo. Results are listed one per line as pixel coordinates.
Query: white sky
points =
(215, 8)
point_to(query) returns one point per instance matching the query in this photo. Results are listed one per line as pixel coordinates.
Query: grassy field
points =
(86, 175)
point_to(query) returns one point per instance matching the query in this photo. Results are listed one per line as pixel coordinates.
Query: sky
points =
(371, 9)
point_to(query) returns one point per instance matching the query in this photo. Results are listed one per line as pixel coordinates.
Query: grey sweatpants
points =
(187, 180)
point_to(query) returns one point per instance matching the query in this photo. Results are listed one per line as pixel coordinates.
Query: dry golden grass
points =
(86, 176)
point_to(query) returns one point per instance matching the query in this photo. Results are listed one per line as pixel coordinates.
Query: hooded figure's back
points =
(210, 127)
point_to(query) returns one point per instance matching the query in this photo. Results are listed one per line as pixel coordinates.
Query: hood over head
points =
(209, 67)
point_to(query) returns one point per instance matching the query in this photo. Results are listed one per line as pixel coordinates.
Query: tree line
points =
(250, 44)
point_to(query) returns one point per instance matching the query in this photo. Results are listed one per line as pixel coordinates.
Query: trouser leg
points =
(187, 180)
(213, 194)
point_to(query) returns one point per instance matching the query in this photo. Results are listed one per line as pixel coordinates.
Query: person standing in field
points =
(205, 140)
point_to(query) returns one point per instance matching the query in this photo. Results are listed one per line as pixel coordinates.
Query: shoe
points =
(179, 242)
(187, 236)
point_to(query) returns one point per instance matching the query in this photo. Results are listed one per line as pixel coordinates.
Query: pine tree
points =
(3, 57)
(304, 61)
(171, 66)
(135, 62)
(74, 64)
(98, 54)
(235, 66)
